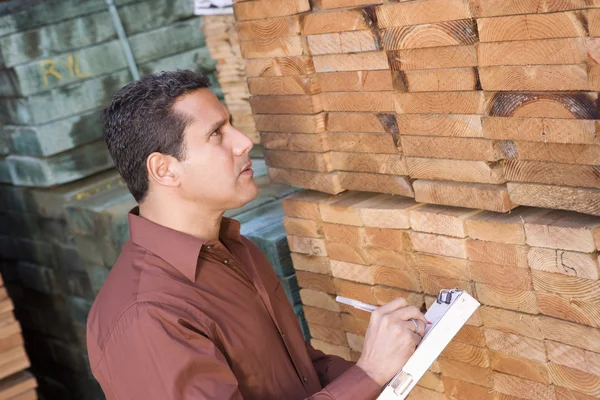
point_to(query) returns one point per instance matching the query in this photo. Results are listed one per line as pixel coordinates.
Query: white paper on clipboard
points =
(447, 315)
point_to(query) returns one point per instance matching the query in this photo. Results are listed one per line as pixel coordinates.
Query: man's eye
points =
(216, 133)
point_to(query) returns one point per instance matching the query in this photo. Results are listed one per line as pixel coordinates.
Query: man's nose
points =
(242, 143)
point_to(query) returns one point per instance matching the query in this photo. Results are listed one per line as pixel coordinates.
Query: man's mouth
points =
(247, 168)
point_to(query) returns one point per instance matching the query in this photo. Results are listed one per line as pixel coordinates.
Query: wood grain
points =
(557, 197)
(480, 196)
(455, 170)
(387, 164)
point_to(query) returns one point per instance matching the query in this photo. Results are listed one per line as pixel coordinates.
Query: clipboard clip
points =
(445, 295)
(401, 382)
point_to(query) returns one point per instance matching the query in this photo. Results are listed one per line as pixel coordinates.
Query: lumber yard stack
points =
(443, 143)
(60, 63)
(223, 42)
(15, 381)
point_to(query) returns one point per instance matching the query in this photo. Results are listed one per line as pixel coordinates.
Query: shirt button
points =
(209, 246)
(305, 379)
(226, 261)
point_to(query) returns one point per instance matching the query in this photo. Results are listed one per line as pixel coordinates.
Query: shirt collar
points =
(179, 249)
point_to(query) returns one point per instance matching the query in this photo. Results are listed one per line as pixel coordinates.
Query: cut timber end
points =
(492, 8)
(280, 66)
(452, 33)
(335, 21)
(451, 148)
(478, 196)
(542, 105)
(455, 170)
(356, 81)
(323, 182)
(433, 58)
(416, 13)
(581, 200)
(262, 9)
(536, 77)
(391, 184)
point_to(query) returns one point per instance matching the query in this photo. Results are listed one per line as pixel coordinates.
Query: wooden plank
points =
(322, 317)
(280, 66)
(268, 28)
(386, 211)
(501, 275)
(262, 9)
(557, 197)
(371, 60)
(367, 182)
(515, 345)
(333, 336)
(593, 22)
(439, 244)
(308, 246)
(583, 265)
(13, 361)
(343, 42)
(550, 152)
(295, 141)
(570, 333)
(440, 125)
(570, 287)
(472, 195)
(459, 389)
(443, 220)
(303, 104)
(304, 204)
(354, 325)
(433, 284)
(362, 142)
(435, 80)
(351, 235)
(291, 123)
(314, 281)
(320, 162)
(347, 253)
(451, 148)
(391, 258)
(533, 52)
(455, 170)
(315, 264)
(358, 101)
(356, 81)
(355, 342)
(433, 58)
(421, 12)
(532, 26)
(392, 239)
(274, 47)
(335, 21)
(16, 385)
(395, 277)
(497, 253)
(503, 228)
(362, 122)
(317, 299)
(330, 4)
(472, 335)
(509, 298)
(573, 357)
(567, 394)
(582, 312)
(511, 322)
(283, 85)
(431, 381)
(521, 367)
(303, 227)
(553, 105)
(562, 230)
(442, 266)
(344, 209)
(540, 130)
(440, 103)
(467, 354)
(490, 8)
(550, 173)
(443, 34)
(386, 294)
(522, 388)
(355, 290)
(352, 272)
(551, 77)
(571, 378)
(389, 164)
(465, 372)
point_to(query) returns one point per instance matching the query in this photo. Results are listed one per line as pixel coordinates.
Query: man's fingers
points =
(418, 326)
(392, 306)
(407, 313)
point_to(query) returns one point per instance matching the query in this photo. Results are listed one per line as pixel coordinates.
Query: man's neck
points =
(191, 219)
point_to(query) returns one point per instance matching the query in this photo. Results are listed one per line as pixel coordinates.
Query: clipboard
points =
(447, 314)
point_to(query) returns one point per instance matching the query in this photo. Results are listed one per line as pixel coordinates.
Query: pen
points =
(360, 305)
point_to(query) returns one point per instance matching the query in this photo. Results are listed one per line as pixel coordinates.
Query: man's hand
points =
(391, 339)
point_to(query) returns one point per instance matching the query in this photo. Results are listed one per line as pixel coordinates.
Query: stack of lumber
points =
(535, 271)
(223, 43)
(470, 103)
(15, 382)
(61, 62)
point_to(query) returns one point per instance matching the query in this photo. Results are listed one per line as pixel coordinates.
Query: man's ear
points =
(163, 169)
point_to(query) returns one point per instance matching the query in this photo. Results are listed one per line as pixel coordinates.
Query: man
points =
(192, 310)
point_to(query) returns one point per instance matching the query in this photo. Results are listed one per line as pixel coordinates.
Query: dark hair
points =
(140, 120)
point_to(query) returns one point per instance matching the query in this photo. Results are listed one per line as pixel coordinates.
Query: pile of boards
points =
(445, 143)
(472, 103)
(15, 382)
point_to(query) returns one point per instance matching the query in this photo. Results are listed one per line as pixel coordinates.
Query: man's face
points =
(216, 172)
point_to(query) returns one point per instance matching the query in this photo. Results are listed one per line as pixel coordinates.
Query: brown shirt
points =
(178, 318)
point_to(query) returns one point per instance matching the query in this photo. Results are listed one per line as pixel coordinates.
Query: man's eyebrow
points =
(219, 124)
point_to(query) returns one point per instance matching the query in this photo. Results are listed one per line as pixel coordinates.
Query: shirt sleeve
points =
(153, 355)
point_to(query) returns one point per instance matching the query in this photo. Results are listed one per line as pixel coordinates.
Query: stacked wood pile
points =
(535, 271)
(482, 104)
(15, 382)
(223, 44)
